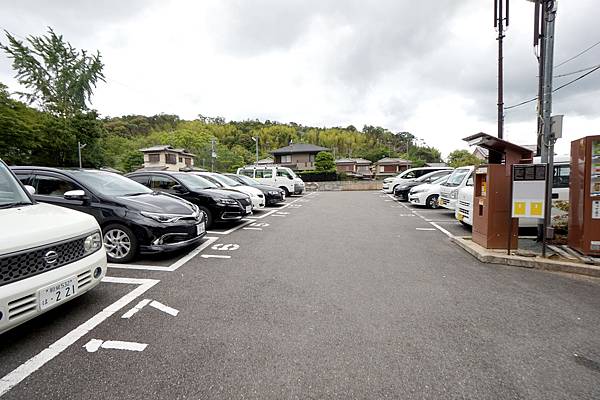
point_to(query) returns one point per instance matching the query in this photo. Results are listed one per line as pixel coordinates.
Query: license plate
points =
(57, 292)
(460, 217)
(248, 209)
(200, 228)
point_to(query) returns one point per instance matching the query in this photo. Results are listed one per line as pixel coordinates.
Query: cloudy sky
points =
(428, 67)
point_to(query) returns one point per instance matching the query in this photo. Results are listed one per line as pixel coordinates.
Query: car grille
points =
(18, 266)
(443, 201)
(244, 202)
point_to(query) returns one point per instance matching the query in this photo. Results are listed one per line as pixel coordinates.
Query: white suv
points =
(48, 256)
(449, 190)
(281, 177)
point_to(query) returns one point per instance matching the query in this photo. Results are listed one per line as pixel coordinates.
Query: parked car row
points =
(60, 227)
(453, 189)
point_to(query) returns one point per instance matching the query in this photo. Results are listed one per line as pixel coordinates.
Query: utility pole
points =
(499, 20)
(256, 142)
(213, 155)
(547, 150)
(79, 147)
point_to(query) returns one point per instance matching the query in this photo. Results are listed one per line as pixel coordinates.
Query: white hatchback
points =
(49, 255)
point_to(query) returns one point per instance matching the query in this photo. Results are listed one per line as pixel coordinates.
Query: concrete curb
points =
(490, 257)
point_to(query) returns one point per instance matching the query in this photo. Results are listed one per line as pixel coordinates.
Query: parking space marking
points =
(252, 229)
(272, 212)
(425, 229)
(244, 223)
(173, 267)
(136, 308)
(214, 256)
(259, 225)
(14, 377)
(95, 344)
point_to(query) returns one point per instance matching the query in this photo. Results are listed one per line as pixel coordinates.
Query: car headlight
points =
(227, 201)
(92, 243)
(453, 194)
(274, 192)
(160, 217)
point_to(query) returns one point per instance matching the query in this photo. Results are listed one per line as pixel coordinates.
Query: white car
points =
(389, 184)
(48, 254)
(560, 192)
(256, 195)
(427, 194)
(281, 177)
(449, 190)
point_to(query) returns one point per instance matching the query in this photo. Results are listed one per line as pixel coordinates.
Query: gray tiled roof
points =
(299, 148)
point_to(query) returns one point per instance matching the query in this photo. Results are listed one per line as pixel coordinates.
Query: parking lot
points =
(331, 295)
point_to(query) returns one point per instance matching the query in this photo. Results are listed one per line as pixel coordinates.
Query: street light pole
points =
(79, 147)
(256, 143)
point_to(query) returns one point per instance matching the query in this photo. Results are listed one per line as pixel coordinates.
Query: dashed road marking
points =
(214, 256)
(95, 344)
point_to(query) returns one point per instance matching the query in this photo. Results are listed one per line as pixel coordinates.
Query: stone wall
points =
(342, 186)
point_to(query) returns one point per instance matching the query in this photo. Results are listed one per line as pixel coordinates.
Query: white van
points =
(390, 184)
(560, 192)
(449, 189)
(281, 177)
(48, 254)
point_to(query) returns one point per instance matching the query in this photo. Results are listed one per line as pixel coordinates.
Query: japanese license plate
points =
(248, 209)
(200, 228)
(460, 217)
(57, 292)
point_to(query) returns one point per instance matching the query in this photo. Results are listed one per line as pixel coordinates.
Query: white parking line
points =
(246, 222)
(36, 362)
(173, 267)
(252, 229)
(213, 256)
(95, 344)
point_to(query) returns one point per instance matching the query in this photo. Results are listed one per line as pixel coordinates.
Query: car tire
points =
(432, 201)
(287, 192)
(208, 216)
(120, 243)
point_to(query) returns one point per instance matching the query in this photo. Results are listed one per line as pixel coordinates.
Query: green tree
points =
(461, 158)
(324, 161)
(59, 78)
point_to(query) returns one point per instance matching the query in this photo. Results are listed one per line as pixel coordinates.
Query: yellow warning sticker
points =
(519, 207)
(536, 208)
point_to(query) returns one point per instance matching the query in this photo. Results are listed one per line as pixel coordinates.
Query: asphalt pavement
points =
(336, 295)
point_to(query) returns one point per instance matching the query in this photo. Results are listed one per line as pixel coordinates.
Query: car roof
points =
(53, 169)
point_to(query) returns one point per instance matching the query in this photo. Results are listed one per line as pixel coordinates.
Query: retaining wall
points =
(342, 186)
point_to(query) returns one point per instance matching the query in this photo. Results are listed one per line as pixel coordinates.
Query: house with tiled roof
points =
(388, 166)
(167, 158)
(357, 167)
(298, 156)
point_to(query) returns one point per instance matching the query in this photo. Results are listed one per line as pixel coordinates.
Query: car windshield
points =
(11, 193)
(247, 181)
(195, 182)
(109, 183)
(457, 177)
(225, 180)
(441, 180)
(426, 176)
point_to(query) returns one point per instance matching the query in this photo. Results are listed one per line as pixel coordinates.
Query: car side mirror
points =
(30, 189)
(179, 189)
(75, 195)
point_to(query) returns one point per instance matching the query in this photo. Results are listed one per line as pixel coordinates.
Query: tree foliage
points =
(462, 158)
(324, 162)
(59, 78)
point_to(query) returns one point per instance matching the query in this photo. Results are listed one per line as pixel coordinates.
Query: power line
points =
(577, 55)
(576, 72)
(596, 68)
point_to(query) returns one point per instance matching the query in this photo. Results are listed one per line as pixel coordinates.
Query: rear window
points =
(247, 172)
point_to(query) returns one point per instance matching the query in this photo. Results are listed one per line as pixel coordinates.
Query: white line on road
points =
(135, 309)
(95, 344)
(209, 240)
(246, 222)
(164, 308)
(425, 229)
(252, 229)
(36, 362)
(214, 256)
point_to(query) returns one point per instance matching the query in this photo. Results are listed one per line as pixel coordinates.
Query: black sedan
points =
(273, 195)
(133, 218)
(219, 205)
(401, 191)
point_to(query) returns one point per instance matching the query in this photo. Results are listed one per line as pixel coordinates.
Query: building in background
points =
(167, 158)
(298, 156)
(356, 167)
(390, 167)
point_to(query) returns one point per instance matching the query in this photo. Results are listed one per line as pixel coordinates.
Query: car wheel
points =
(432, 201)
(208, 218)
(286, 191)
(120, 243)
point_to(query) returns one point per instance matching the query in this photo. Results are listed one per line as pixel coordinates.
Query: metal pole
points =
(548, 140)
(212, 155)
(500, 70)
(79, 152)
(256, 140)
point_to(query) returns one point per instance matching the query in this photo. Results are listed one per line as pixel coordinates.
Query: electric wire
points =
(577, 55)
